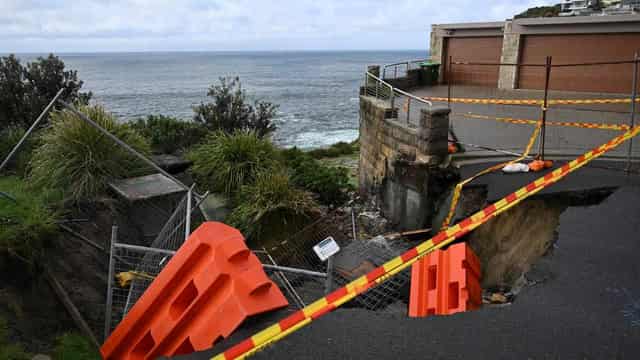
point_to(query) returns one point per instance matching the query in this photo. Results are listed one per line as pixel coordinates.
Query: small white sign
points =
(326, 248)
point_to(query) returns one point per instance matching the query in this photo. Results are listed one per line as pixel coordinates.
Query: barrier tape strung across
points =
(530, 101)
(584, 125)
(458, 189)
(337, 298)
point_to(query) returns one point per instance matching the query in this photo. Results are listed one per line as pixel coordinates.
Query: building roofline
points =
(542, 21)
(470, 25)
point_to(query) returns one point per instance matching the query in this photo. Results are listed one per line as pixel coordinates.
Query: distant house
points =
(578, 7)
(621, 7)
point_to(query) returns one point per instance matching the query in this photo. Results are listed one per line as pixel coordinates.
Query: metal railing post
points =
(408, 109)
(109, 302)
(393, 100)
(30, 130)
(634, 94)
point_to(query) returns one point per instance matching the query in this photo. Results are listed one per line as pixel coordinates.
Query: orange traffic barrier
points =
(445, 282)
(211, 285)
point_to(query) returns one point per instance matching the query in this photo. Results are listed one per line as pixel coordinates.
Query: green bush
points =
(167, 134)
(225, 162)
(79, 160)
(27, 224)
(271, 207)
(74, 347)
(25, 90)
(336, 150)
(230, 111)
(330, 184)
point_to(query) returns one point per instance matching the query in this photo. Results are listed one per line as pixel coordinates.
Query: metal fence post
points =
(187, 220)
(30, 130)
(328, 285)
(634, 94)
(109, 303)
(408, 109)
(449, 82)
(543, 131)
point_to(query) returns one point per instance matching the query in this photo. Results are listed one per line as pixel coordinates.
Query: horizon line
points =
(203, 51)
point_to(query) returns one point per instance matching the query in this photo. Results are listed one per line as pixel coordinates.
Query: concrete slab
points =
(146, 187)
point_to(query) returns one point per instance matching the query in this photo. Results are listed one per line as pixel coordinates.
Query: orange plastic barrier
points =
(445, 282)
(212, 284)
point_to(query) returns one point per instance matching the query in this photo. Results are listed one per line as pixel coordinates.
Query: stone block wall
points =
(398, 163)
(382, 139)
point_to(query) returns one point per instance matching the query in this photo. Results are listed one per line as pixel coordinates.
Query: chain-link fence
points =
(355, 258)
(132, 268)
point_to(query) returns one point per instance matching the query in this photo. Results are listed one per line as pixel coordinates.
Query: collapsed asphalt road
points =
(586, 306)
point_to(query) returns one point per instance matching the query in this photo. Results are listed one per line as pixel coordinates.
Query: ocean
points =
(317, 90)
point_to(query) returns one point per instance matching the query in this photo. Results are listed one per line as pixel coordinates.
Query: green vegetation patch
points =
(74, 347)
(10, 351)
(225, 162)
(330, 184)
(336, 150)
(79, 160)
(272, 206)
(167, 135)
(27, 224)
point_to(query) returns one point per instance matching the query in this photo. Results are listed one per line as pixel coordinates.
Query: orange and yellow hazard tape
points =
(377, 276)
(584, 125)
(458, 189)
(530, 101)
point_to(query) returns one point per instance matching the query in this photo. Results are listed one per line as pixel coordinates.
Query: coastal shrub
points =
(79, 160)
(229, 110)
(271, 207)
(167, 135)
(224, 162)
(72, 346)
(26, 89)
(27, 224)
(330, 184)
(336, 150)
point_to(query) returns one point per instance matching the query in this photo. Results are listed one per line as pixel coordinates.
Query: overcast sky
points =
(163, 25)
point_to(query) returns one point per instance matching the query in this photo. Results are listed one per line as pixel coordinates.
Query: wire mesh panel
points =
(132, 269)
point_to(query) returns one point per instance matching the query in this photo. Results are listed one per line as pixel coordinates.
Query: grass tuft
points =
(272, 206)
(79, 160)
(224, 163)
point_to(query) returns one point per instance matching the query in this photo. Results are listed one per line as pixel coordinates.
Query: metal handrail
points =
(406, 63)
(397, 90)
